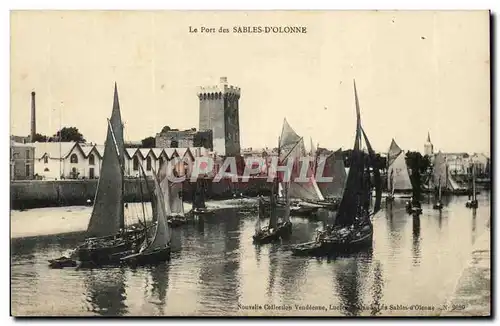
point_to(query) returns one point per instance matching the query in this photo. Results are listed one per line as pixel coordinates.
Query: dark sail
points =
(352, 195)
(107, 215)
(199, 194)
(376, 175)
(333, 167)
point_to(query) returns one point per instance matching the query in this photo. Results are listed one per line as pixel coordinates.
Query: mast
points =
(473, 182)
(439, 189)
(107, 216)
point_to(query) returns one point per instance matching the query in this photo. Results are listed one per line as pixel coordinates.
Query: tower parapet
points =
(217, 91)
(219, 112)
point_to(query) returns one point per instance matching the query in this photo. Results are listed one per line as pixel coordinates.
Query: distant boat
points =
(172, 198)
(276, 230)
(399, 183)
(439, 202)
(107, 235)
(199, 204)
(472, 202)
(442, 172)
(156, 250)
(352, 229)
(305, 197)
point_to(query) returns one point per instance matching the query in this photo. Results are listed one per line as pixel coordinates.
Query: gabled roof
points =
(170, 152)
(157, 152)
(130, 152)
(181, 151)
(86, 149)
(144, 152)
(53, 150)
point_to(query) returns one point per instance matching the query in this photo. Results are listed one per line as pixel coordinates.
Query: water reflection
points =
(219, 271)
(474, 225)
(105, 291)
(377, 288)
(213, 270)
(273, 266)
(416, 240)
(349, 279)
(160, 278)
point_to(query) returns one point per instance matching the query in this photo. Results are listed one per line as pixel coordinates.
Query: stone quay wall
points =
(44, 193)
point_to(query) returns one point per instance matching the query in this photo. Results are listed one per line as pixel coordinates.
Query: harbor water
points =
(215, 269)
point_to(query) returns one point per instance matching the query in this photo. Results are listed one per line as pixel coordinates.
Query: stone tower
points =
(428, 147)
(219, 112)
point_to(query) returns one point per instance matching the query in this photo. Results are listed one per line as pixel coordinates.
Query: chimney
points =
(33, 117)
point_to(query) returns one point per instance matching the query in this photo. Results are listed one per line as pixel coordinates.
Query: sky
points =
(416, 72)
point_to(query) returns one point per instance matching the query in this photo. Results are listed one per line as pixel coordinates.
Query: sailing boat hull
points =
(102, 251)
(329, 246)
(471, 204)
(176, 221)
(265, 236)
(299, 209)
(153, 257)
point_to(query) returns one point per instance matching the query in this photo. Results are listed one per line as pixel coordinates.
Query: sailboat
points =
(399, 183)
(275, 230)
(106, 232)
(305, 195)
(352, 229)
(199, 205)
(441, 170)
(439, 203)
(390, 188)
(158, 249)
(472, 202)
(172, 198)
(413, 206)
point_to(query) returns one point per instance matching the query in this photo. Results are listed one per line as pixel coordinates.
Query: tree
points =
(418, 165)
(68, 134)
(148, 142)
(40, 138)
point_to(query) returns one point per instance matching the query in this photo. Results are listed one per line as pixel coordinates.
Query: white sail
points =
(171, 193)
(400, 176)
(292, 148)
(440, 174)
(162, 233)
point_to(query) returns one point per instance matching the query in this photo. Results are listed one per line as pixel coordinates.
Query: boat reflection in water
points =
(106, 293)
(416, 240)
(351, 273)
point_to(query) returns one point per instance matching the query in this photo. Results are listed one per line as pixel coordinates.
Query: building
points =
(184, 139)
(219, 112)
(71, 160)
(428, 147)
(482, 164)
(21, 161)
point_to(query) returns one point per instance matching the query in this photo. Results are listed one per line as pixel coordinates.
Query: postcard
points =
(250, 163)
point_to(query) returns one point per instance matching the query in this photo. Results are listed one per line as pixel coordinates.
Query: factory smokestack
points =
(33, 117)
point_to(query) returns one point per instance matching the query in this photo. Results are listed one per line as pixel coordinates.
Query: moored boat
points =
(472, 202)
(107, 235)
(276, 230)
(158, 249)
(352, 229)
